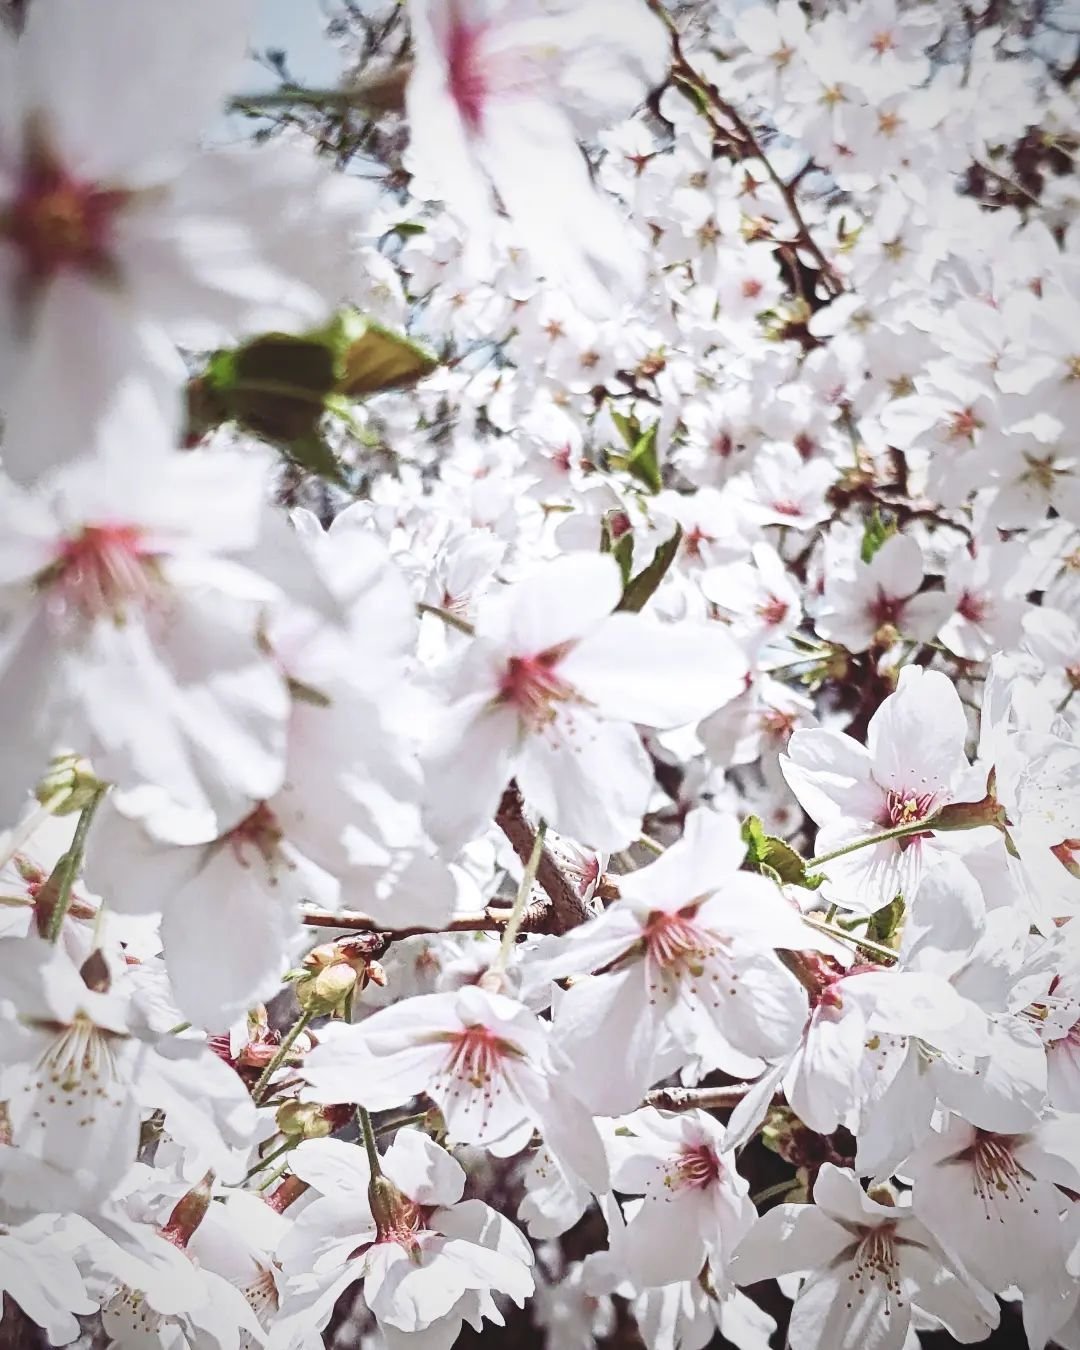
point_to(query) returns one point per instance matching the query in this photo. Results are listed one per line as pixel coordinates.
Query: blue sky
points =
(297, 26)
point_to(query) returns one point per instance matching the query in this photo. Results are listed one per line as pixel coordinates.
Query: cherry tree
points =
(539, 651)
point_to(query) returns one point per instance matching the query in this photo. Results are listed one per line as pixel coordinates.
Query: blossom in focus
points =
(547, 694)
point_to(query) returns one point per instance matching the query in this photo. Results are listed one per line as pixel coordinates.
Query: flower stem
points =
(493, 977)
(258, 1092)
(70, 863)
(771, 1192)
(899, 832)
(368, 1131)
(864, 944)
(271, 1157)
(415, 1119)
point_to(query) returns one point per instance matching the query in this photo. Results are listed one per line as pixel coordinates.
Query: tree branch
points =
(567, 907)
(701, 1099)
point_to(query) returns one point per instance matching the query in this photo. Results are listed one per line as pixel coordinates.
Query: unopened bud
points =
(303, 1120)
(334, 971)
(71, 779)
(327, 991)
(188, 1212)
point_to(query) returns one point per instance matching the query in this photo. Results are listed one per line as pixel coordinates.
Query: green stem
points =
(415, 1119)
(71, 863)
(653, 847)
(368, 1132)
(271, 1157)
(771, 1192)
(290, 98)
(875, 948)
(899, 832)
(493, 976)
(258, 1092)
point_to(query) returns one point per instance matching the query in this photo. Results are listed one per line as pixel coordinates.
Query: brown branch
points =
(745, 141)
(491, 921)
(567, 908)
(700, 1099)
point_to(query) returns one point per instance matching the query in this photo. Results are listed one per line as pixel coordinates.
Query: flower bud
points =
(188, 1212)
(303, 1120)
(333, 972)
(73, 775)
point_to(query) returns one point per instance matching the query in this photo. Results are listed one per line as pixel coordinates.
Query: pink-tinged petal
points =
(823, 1083)
(111, 366)
(751, 1111)
(226, 936)
(571, 1134)
(576, 235)
(426, 1173)
(705, 858)
(897, 566)
(337, 1070)
(77, 69)
(868, 878)
(925, 614)
(659, 675)
(586, 948)
(965, 1309)
(467, 775)
(830, 774)
(333, 1167)
(826, 1316)
(32, 694)
(906, 1003)
(587, 778)
(786, 1240)
(561, 602)
(916, 738)
(608, 1084)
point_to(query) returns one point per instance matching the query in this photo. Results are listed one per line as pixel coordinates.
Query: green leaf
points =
(312, 453)
(874, 535)
(640, 589)
(885, 923)
(775, 858)
(629, 428)
(643, 463)
(377, 359)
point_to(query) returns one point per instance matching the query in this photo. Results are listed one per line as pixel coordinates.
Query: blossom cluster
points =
(539, 663)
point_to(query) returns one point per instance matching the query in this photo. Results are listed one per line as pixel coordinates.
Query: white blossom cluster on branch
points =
(540, 678)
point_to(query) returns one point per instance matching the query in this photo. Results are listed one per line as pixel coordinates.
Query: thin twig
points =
(698, 1099)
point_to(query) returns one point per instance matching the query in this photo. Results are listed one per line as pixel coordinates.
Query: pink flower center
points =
(697, 1167)
(773, 611)
(787, 508)
(469, 85)
(962, 425)
(259, 831)
(678, 950)
(903, 807)
(996, 1174)
(58, 223)
(886, 609)
(972, 607)
(476, 1055)
(875, 1259)
(532, 685)
(101, 571)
